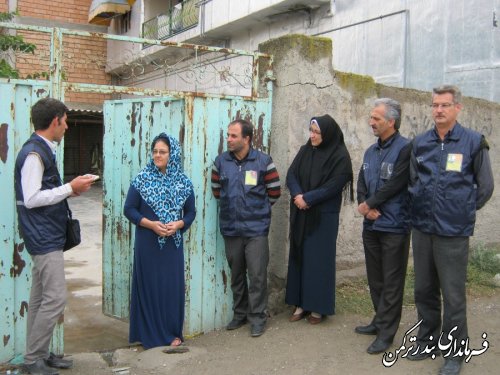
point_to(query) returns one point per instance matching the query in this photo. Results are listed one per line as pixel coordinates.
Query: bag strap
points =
(67, 207)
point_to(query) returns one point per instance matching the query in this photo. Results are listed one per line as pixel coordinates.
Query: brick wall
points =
(73, 11)
(4, 6)
(84, 58)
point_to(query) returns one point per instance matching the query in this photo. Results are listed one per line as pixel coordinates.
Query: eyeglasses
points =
(443, 105)
(315, 131)
(161, 152)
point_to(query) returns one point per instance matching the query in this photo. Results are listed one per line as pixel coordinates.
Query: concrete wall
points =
(307, 85)
(398, 42)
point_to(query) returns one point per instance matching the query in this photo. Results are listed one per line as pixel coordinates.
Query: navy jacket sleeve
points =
(326, 191)
(484, 178)
(189, 212)
(292, 183)
(132, 204)
(361, 189)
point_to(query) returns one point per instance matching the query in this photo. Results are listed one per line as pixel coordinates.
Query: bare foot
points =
(176, 342)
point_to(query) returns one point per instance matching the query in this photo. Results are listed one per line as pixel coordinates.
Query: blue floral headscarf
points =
(165, 193)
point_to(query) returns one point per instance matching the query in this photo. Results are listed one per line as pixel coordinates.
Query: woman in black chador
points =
(320, 175)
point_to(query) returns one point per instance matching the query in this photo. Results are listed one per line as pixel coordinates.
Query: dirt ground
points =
(298, 348)
(332, 347)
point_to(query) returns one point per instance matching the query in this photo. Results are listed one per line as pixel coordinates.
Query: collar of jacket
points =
(252, 154)
(453, 135)
(384, 144)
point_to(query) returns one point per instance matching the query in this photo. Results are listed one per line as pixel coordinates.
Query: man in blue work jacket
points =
(450, 178)
(383, 200)
(42, 214)
(247, 184)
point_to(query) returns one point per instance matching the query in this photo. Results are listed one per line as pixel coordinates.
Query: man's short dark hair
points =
(449, 89)
(246, 128)
(45, 110)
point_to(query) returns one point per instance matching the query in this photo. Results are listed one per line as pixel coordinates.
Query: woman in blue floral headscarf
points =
(160, 202)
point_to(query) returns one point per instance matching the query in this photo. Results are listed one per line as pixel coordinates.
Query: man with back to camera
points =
(42, 215)
(247, 184)
(450, 178)
(383, 200)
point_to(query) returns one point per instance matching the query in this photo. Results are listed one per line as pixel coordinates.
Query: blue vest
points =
(245, 209)
(444, 195)
(42, 228)
(378, 166)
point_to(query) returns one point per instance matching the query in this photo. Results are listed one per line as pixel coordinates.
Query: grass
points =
(484, 264)
(353, 297)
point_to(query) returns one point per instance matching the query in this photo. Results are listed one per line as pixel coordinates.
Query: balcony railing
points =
(176, 20)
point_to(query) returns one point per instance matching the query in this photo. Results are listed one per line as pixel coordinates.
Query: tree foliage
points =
(10, 43)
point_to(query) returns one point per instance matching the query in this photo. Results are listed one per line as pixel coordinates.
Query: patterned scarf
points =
(165, 193)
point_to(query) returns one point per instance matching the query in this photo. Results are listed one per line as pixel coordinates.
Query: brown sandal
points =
(314, 320)
(296, 317)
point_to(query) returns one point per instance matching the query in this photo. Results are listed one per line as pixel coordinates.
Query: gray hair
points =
(449, 89)
(392, 110)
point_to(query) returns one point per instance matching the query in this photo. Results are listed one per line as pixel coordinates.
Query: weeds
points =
(484, 264)
(353, 297)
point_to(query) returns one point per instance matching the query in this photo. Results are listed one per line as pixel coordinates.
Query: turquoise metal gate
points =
(200, 123)
(198, 119)
(16, 99)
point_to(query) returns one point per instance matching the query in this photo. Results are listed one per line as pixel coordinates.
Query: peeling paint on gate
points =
(200, 123)
(23, 308)
(17, 97)
(4, 142)
(18, 262)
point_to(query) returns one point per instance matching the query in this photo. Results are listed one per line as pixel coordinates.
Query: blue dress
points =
(311, 282)
(158, 290)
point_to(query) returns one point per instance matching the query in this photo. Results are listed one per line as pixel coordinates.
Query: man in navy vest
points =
(247, 184)
(42, 214)
(450, 178)
(383, 200)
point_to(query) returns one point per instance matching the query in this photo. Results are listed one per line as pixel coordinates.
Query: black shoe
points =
(370, 329)
(378, 346)
(257, 329)
(420, 356)
(236, 323)
(58, 361)
(40, 368)
(451, 367)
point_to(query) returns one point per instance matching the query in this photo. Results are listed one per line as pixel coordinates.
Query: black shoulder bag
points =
(73, 237)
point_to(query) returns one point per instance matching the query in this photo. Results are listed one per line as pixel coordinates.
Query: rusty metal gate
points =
(16, 99)
(197, 118)
(200, 123)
